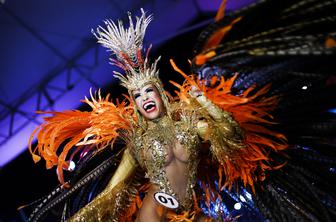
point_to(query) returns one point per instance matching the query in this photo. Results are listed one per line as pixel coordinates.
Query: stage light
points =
(248, 195)
(242, 198)
(333, 110)
(237, 206)
(72, 166)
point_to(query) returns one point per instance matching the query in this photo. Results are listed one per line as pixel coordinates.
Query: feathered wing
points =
(244, 154)
(109, 192)
(277, 58)
(68, 133)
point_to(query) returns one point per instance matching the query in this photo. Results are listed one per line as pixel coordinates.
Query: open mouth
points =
(149, 106)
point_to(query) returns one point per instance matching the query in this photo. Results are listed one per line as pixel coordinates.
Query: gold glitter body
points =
(164, 142)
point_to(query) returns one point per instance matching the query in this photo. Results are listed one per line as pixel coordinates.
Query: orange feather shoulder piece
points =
(74, 131)
(251, 110)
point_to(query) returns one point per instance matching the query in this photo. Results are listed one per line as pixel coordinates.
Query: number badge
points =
(166, 200)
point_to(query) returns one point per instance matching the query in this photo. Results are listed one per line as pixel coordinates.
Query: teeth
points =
(146, 106)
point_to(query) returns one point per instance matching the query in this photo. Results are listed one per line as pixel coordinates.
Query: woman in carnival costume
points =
(213, 136)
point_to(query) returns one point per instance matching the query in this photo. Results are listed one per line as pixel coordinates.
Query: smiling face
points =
(149, 102)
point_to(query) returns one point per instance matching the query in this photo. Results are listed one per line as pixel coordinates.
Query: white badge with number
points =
(166, 200)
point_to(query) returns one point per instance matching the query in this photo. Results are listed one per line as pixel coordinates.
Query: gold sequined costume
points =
(191, 123)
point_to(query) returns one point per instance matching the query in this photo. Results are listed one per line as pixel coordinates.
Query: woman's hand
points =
(214, 111)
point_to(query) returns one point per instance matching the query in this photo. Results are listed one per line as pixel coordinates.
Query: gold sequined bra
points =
(151, 151)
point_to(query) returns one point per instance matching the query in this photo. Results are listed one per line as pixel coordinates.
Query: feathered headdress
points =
(127, 45)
